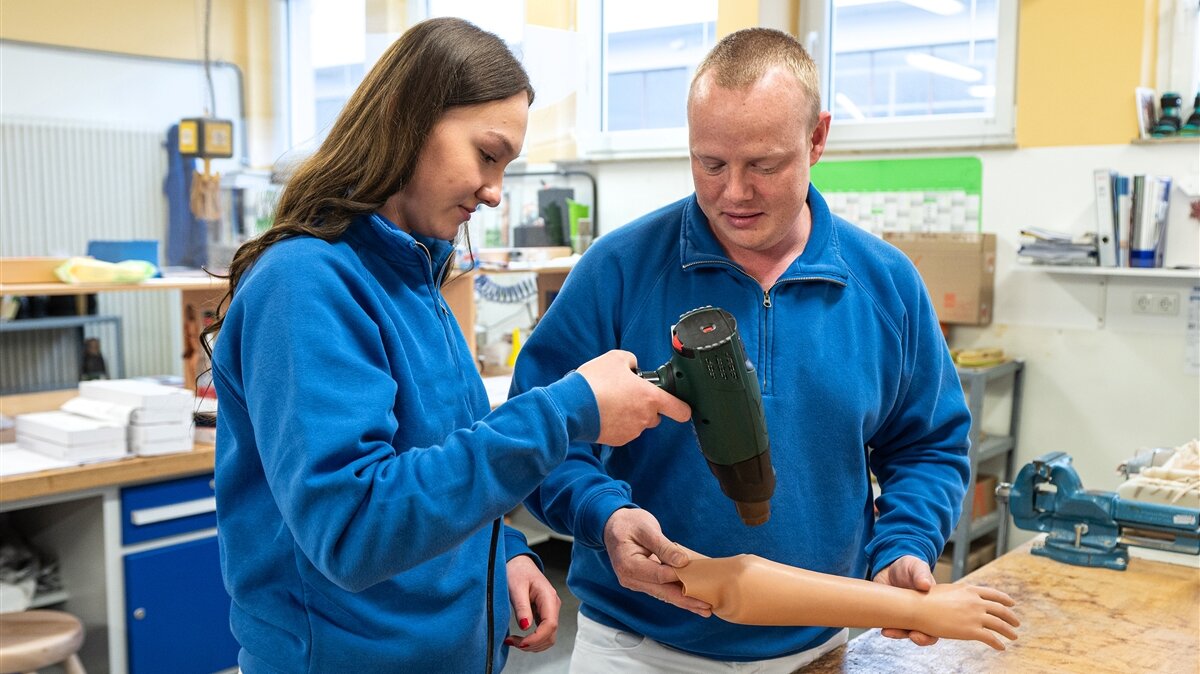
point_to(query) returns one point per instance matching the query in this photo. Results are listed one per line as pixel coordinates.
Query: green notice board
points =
(900, 175)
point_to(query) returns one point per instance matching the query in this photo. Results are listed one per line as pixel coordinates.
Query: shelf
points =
(990, 372)
(985, 525)
(994, 446)
(1128, 272)
(174, 283)
(1166, 140)
(49, 599)
(56, 322)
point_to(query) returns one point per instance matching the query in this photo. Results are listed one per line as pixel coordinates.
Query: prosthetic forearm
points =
(750, 590)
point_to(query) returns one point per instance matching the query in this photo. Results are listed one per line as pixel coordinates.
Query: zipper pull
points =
(767, 299)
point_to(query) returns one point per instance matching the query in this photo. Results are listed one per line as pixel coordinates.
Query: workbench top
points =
(131, 470)
(1073, 619)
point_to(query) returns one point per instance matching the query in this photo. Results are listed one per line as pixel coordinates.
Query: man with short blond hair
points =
(855, 375)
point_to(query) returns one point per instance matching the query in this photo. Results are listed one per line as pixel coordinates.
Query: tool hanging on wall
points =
(207, 139)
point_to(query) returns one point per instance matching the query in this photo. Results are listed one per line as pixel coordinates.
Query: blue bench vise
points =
(1092, 528)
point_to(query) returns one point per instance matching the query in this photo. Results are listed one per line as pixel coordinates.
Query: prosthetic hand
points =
(750, 590)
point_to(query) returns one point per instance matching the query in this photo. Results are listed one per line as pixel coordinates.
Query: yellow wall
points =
(239, 34)
(144, 27)
(551, 13)
(733, 15)
(1078, 62)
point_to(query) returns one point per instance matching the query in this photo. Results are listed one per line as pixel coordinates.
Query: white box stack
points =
(159, 417)
(70, 437)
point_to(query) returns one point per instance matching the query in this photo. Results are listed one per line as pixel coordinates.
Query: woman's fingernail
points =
(524, 623)
(508, 641)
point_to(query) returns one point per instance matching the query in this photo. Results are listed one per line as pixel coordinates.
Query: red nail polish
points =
(524, 623)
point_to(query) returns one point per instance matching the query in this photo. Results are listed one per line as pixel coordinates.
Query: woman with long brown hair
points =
(358, 467)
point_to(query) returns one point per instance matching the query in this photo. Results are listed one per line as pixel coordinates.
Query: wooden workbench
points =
(118, 473)
(1073, 619)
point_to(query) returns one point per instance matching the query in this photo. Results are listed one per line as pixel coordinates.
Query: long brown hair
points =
(372, 148)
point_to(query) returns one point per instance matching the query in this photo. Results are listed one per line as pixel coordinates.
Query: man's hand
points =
(910, 573)
(534, 601)
(645, 560)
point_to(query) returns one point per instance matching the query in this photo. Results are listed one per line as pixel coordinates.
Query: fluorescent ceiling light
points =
(982, 90)
(849, 106)
(941, 7)
(942, 67)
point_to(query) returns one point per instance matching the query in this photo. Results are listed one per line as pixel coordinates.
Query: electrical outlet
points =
(1167, 304)
(1162, 304)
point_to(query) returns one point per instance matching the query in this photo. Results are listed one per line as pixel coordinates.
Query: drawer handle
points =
(173, 511)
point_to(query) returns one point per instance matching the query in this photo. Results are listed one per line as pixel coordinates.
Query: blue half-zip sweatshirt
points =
(358, 468)
(855, 376)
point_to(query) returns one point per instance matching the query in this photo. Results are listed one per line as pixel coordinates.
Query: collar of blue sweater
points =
(821, 259)
(383, 238)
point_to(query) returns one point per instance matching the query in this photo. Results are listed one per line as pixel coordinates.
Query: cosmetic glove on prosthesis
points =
(750, 590)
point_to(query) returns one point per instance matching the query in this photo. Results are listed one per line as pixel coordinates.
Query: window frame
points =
(965, 131)
(592, 141)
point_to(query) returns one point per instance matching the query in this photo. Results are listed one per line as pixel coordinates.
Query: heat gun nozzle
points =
(753, 513)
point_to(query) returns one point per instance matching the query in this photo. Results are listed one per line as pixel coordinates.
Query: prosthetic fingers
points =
(750, 590)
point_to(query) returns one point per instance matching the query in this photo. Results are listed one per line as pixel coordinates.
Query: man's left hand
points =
(913, 574)
(534, 602)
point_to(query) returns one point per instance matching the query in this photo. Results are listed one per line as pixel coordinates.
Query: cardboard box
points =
(460, 297)
(98, 451)
(549, 282)
(139, 394)
(30, 269)
(68, 429)
(959, 269)
(985, 496)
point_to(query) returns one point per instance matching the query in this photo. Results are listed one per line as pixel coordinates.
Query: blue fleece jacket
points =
(855, 376)
(358, 469)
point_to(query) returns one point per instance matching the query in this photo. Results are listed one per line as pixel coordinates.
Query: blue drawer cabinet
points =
(178, 611)
(176, 607)
(168, 508)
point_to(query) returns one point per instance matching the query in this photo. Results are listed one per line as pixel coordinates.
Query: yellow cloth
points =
(90, 270)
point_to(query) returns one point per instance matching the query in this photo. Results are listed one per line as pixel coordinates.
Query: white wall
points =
(1100, 381)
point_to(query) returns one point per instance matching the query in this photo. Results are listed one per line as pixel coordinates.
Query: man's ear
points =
(820, 134)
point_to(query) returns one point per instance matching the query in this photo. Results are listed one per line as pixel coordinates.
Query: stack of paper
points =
(1044, 246)
(158, 418)
(70, 437)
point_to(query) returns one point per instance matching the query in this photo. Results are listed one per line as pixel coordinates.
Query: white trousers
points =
(600, 649)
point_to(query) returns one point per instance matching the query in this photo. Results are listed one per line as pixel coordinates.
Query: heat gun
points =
(709, 371)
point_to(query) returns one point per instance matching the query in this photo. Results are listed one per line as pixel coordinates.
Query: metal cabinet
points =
(987, 449)
(176, 607)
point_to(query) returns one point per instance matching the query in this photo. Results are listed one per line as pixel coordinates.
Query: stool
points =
(30, 640)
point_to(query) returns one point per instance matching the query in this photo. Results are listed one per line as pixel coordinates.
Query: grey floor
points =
(556, 556)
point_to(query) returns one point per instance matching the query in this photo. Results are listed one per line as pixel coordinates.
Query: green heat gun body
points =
(709, 371)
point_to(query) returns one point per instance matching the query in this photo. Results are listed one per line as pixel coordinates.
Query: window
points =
(649, 60)
(915, 73)
(1178, 66)
(327, 50)
(330, 50)
(636, 101)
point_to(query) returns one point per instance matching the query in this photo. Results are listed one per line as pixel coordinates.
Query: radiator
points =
(64, 183)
